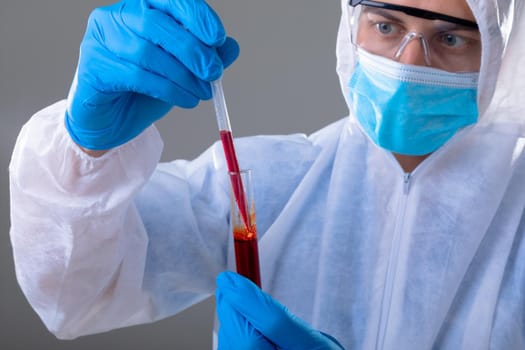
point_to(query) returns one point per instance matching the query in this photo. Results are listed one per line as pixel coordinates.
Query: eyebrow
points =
(439, 24)
(414, 12)
(383, 13)
(446, 26)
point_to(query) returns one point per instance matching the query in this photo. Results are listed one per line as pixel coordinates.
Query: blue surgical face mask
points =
(408, 109)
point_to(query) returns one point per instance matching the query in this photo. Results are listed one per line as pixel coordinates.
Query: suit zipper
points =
(392, 263)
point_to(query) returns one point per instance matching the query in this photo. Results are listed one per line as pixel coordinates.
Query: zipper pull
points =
(406, 182)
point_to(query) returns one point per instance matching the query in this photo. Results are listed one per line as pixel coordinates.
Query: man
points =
(400, 227)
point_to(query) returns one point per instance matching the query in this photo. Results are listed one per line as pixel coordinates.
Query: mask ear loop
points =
(407, 39)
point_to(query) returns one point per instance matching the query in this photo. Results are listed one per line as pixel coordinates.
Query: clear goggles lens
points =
(446, 43)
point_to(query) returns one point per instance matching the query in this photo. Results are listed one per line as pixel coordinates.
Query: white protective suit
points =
(377, 258)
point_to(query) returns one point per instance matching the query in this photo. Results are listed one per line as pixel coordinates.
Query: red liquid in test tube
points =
(247, 253)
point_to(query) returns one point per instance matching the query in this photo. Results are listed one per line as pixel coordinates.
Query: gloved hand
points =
(139, 58)
(251, 319)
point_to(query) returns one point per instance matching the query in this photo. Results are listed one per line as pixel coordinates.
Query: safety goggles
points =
(448, 43)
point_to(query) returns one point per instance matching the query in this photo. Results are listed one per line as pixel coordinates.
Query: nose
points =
(413, 50)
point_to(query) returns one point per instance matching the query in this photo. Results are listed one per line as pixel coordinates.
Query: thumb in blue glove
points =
(252, 319)
(138, 59)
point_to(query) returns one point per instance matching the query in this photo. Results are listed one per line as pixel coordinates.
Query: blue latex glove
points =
(252, 319)
(138, 59)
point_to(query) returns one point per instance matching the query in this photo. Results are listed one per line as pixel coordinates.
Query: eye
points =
(452, 40)
(384, 28)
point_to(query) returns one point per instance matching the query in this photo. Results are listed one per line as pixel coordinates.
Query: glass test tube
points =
(244, 233)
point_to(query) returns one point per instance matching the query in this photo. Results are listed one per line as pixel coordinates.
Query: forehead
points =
(455, 8)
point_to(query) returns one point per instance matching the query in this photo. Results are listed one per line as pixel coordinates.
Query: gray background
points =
(283, 82)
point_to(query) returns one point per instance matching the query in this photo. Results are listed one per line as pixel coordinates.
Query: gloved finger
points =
(159, 62)
(228, 52)
(129, 47)
(235, 332)
(268, 316)
(162, 30)
(107, 73)
(195, 15)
